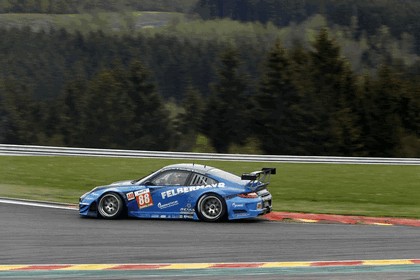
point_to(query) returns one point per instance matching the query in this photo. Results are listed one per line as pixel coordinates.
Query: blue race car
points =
(183, 191)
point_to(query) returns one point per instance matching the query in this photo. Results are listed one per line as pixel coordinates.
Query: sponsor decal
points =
(242, 214)
(144, 198)
(163, 216)
(177, 191)
(130, 196)
(167, 205)
(187, 210)
(188, 217)
(236, 205)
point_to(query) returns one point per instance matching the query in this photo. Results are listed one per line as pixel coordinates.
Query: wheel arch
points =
(209, 193)
(115, 192)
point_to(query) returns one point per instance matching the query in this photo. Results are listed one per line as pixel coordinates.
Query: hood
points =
(122, 183)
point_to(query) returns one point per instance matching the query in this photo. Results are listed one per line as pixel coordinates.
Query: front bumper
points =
(88, 207)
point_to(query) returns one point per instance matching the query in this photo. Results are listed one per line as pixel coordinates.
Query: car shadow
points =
(240, 221)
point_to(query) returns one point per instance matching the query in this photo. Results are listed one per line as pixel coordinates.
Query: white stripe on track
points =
(38, 204)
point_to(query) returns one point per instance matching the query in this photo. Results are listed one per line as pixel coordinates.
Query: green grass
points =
(370, 190)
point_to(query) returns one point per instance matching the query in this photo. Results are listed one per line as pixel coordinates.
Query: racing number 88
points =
(144, 200)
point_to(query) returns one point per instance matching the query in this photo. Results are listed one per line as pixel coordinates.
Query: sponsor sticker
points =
(130, 196)
(186, 210)
(236, 205)
(144, 198)
(241, 214)
(181, 190)
(167, 205)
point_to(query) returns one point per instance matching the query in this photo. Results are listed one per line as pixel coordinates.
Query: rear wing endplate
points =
(263, 176)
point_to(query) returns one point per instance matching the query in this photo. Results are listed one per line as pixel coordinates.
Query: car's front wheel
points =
(211, 208)
(110, 206)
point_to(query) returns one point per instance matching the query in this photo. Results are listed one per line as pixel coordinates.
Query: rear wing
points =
(262, 176)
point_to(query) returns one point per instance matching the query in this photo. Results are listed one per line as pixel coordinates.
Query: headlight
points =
(84, 195)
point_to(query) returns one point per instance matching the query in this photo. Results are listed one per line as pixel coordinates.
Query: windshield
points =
(143, 179)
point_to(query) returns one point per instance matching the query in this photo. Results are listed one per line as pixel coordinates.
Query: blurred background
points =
(292, 77)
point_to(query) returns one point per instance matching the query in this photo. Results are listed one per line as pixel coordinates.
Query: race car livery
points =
(183, 191)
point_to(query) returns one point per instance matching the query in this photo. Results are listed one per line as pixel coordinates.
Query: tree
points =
(74, 104)
(108, 116)
(224, 120)
(332, 89)
(152, 128)
(16, 113)
(276, 116)
(382, 128)
(188, 122)
(117, 108)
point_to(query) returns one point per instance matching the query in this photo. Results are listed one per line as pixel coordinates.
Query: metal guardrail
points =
(24, 150)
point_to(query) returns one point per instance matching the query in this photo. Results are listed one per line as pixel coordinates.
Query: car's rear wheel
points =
(110, 206)
(211, 208)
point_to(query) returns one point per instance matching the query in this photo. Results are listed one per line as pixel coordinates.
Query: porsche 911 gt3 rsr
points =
(183, 191)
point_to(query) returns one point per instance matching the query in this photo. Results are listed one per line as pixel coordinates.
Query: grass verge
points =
(369, 190)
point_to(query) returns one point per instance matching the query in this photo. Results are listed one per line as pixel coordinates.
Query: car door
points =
(163, 195)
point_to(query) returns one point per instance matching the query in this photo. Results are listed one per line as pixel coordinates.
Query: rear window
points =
(226, 176)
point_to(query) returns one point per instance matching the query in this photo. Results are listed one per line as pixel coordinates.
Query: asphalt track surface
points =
(34, 235)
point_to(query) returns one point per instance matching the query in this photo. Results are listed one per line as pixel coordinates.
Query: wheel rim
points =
(109, 205)
(211, 207)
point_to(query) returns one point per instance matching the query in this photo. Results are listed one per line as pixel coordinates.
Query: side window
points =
(171, 178)
(201, 180)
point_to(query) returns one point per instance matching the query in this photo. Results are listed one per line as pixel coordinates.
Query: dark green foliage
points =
(333, 92)
(75, 6)
(151, 123)
(382, 127)
(193, 105)
(276, 114)
(48, 60)
(91, 90)
(281, 12)
(224, 119)
(401, 16)
(118, 108)
(187, 123)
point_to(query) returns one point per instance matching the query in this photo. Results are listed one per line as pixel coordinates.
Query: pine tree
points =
(382, 127)
(108, 117)
(332, 89)
(17, 123)
(276, 115)
(152, 128)
(224, 120)
(74, 104)
(188, 122)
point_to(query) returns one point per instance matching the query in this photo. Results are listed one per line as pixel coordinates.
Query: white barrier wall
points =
(6, 149)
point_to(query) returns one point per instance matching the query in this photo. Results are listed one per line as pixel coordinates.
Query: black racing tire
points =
(110, 206)
(211, 208)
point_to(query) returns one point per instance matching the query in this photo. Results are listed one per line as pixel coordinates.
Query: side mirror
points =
(148, 183)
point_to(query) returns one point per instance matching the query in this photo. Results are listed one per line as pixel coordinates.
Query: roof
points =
(199, 168)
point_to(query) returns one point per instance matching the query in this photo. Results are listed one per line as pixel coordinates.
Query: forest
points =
(237, 76)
